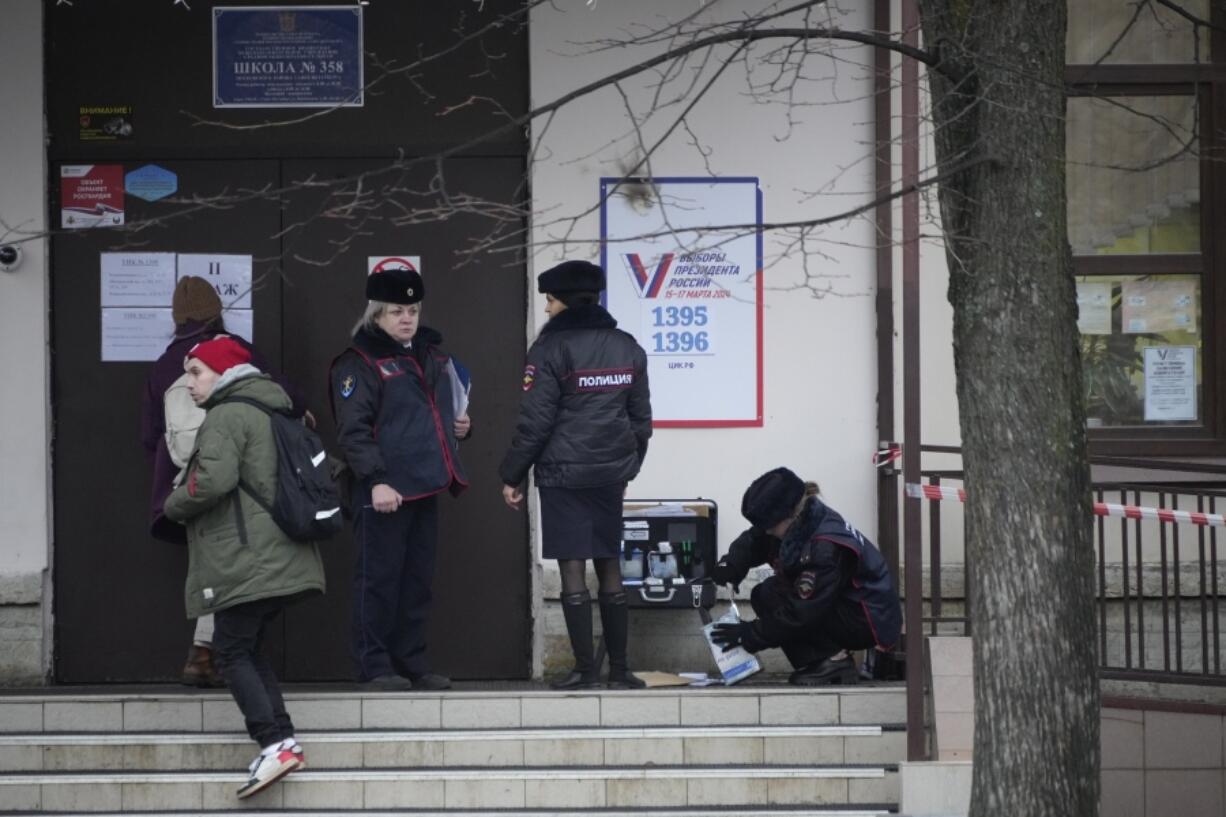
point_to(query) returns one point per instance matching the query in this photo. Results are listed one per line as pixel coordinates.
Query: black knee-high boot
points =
(577, 608)
(615, 619)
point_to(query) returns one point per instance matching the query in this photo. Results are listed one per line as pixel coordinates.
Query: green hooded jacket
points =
(236, 442)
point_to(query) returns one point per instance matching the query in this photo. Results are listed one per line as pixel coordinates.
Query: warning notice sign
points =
(91, 196)
(379, 263)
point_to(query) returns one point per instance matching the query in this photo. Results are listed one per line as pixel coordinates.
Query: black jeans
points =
(843, 627)
(238, 640)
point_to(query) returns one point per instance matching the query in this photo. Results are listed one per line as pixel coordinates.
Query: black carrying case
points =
(692, 537)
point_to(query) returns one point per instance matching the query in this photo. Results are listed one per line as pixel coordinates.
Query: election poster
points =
(684, 277)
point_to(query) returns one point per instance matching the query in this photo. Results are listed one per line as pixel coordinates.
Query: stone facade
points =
(22, 627)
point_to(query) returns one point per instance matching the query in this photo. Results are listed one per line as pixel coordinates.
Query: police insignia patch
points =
(806, 584)
(529, 376)
(348, 385)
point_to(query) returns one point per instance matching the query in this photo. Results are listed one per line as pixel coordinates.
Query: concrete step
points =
(178, 709)
(575, 788)
(516, 747)
(712, 811)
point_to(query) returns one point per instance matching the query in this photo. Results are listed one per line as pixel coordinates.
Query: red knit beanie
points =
(220, 353)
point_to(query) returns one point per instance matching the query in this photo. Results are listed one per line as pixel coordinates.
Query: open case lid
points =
(670, 507)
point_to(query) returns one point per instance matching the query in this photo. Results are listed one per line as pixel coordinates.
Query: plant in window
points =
(1110, 365)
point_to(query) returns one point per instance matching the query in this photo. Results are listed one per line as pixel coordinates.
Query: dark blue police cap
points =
(571, 276)
(772, 497)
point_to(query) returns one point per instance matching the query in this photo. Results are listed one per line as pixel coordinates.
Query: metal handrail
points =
(1134, 588)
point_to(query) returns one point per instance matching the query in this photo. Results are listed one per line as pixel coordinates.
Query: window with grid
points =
(1144, 97)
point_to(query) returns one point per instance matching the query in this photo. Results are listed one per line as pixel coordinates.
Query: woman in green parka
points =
(241, 566)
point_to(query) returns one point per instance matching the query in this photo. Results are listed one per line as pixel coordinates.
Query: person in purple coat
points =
(196, 309)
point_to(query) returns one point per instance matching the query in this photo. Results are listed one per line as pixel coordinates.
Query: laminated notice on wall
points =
(1170, 383)
(1158, 306)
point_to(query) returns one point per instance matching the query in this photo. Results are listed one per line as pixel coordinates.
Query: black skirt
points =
(582, 523)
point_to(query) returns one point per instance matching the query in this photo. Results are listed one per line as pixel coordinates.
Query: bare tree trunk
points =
(1020, 397)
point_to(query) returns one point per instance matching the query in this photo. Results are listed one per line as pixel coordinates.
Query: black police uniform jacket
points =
(827, 561)
(585, 417)
(394, 414)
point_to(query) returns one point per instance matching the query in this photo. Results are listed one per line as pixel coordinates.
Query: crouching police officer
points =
(832, 591)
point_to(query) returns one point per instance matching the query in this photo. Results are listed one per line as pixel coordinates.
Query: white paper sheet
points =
(135, 334)
(138, 278)
(230, 275)
(1094, 308)
(240, 322)
(1170, 383)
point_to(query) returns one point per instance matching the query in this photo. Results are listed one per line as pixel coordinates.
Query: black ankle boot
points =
(577, 608)
(615, 619)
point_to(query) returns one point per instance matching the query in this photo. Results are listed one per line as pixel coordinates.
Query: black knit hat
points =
(571, 276)
(772, 497)
(395, 286)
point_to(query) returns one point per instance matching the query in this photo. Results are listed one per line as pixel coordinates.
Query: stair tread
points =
(310, 692)
(500, 733)
(861, 810)
(690, 771)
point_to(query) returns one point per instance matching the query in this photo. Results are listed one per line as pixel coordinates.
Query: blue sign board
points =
(150, 183)
(287, 57)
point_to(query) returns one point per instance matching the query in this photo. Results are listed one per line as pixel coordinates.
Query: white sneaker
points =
(294, 746)
(271, 765)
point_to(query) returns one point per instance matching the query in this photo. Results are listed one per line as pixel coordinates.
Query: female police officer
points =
(394, 378)
(583, 425)
(831, 592)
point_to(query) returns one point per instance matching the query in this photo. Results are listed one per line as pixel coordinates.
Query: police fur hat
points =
(772, 497)
(399, 285)
(571, 276)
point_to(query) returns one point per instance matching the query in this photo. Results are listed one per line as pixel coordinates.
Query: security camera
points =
(10, 257)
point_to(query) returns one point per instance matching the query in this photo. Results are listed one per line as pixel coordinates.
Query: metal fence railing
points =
(1160, 576)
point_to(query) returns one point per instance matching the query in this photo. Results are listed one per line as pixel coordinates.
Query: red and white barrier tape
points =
(887, 455)
(1217, 520)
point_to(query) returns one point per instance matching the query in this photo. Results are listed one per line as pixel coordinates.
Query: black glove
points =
(724, 573)
(740, 634)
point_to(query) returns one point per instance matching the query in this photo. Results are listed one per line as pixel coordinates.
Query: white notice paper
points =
(138, 278)
(1094, 308)
(1170, 383)
(1158, 306)
(240, 322)
(230, 275)
(135, 334)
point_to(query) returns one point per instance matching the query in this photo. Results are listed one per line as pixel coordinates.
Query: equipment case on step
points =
(668, 552)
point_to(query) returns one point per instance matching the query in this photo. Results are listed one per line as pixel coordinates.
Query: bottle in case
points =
(632, 562)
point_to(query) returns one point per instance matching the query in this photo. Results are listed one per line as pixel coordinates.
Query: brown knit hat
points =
(195, 300)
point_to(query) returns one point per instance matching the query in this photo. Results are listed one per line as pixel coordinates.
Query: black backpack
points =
(307, 506)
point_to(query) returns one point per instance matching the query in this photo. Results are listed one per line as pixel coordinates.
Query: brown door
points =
(481, 611)
(118, 593)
